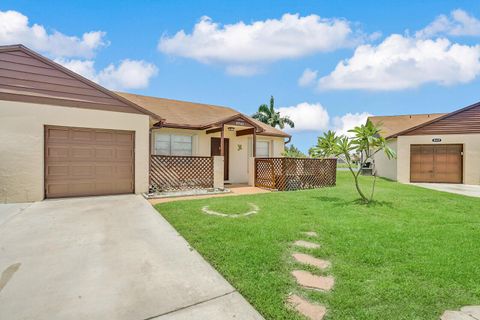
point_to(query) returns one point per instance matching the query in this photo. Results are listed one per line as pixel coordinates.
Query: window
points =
(174, 145)
(263, 149)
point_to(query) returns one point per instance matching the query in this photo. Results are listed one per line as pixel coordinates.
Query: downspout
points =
(288, 141)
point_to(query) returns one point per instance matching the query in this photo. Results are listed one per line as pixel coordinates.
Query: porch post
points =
(222, 141)
(254, 151)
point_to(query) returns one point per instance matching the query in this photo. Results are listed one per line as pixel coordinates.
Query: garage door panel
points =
(81, 136)
(124, 154)
(105, 137)
(57, 134)
(105, 153)
(436, 163)
(88, 162)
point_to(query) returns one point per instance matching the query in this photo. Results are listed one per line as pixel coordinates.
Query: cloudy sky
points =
(329, 64)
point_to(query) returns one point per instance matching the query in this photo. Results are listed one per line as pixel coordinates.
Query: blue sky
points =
(435, 54)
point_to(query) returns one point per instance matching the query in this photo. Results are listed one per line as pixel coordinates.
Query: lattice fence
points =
(285, 174)
(168, 173)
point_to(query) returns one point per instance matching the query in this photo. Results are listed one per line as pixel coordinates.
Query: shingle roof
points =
(192, 115)
(394, 124)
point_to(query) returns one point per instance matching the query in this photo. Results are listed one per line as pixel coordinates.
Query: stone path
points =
(310, 234)
(465, 313)
(306, 244)
(308, 280)
(312, 261)
(309, 310)
(311, 281)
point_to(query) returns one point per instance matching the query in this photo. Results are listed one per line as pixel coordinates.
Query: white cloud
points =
(307, 116)
(401, 62)
(459, 23)
(129, 74)
(307, 78)
(260, 42)
(15, 28)
(342, 124)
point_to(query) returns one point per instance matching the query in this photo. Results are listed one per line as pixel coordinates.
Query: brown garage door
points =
(86, 162)
(436, 163)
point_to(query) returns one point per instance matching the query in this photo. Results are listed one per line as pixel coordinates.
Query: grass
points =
(411, 254)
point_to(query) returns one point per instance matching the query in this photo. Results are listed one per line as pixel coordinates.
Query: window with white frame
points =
(263, 149)
(173, 145)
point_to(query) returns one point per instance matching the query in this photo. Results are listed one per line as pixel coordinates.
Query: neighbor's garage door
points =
(86, 162)
(436, 163)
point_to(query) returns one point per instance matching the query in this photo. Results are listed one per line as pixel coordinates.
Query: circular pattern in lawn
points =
(253, 209)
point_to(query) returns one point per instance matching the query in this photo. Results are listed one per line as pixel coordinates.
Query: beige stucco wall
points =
(386, 168)
(471, 154)
(240, 148)
(22, 144)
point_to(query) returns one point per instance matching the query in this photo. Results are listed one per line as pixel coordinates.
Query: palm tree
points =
(268, 115)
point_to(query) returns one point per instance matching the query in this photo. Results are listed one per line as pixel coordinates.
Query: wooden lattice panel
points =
(168, 173)
(295, 173)
(264, 173)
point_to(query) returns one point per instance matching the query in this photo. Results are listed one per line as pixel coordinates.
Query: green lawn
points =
(410, 255)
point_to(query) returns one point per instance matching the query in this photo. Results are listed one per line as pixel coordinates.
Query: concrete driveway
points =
(463, 189)
(105, 258)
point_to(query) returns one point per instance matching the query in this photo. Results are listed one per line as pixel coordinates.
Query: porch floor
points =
(235, 190)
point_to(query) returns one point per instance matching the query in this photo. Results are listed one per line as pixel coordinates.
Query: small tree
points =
(293, 152)
(366, 141)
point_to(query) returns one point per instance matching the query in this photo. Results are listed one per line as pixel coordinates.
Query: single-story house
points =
(435, 148)
(63, 135)
(195, 129)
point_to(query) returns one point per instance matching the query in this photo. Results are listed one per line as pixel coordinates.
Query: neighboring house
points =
(63, 135)
(442, 148)
(194, 129)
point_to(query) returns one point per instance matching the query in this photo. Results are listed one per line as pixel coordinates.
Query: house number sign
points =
(436, 140)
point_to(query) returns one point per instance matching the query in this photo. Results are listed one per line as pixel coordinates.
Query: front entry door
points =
(215, 151)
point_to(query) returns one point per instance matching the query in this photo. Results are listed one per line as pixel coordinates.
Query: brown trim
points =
(72, 74)
(202, 127)
(61, 102)
(238, 116)
(222, 141)
(214, 130)
(434, 120)
(254, 145)
(245, 132)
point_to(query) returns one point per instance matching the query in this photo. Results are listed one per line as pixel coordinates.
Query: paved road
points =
(105, 258)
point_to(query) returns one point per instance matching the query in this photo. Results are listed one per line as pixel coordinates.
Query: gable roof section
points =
(26, 76)
(393, 124)
(196, 116)
(462, 121)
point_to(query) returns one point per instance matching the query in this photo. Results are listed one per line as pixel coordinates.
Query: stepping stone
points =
(456, 315)
(310, 233)
(307, 309)
(473, 311)
(312, 261)
(306, 244)
(311, 281)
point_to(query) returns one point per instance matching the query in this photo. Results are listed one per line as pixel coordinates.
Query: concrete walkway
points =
(105, 258)
(463, 189)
